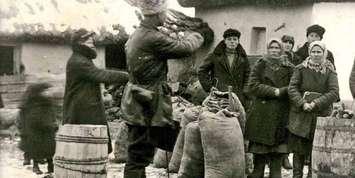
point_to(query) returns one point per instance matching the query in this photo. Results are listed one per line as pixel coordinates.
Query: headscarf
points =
(318, 67)
(276, 62)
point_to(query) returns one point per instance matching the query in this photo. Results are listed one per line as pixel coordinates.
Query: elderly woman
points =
(266, 124)
(313, 88)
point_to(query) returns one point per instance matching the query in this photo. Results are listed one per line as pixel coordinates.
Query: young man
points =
(314, 33)
(146, 102)
(227, 65)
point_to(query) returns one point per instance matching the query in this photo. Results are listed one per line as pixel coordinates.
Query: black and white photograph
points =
(177, 88)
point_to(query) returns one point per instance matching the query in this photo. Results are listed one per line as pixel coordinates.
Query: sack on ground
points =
(189, 115)
(218, 100)
(161, 158)
(223, 145)
(192, 159)
(121, 143)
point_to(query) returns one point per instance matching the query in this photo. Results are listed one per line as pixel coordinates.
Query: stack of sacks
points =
(213, 146)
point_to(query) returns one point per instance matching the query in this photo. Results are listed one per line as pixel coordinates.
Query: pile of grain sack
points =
(210, 143)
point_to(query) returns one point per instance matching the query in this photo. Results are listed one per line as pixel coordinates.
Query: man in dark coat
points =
(82, 98)
(352, 80)
(146, 102)
(227, 65)
(314, 33)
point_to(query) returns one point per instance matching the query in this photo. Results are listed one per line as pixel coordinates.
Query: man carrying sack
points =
(146, 102)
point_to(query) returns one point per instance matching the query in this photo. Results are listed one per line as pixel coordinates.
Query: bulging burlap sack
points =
(223, 145)
(189, 115)
(121, 143)
(192, 159)
(161, 158)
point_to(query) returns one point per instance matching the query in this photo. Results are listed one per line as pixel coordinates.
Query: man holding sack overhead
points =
(146, 103)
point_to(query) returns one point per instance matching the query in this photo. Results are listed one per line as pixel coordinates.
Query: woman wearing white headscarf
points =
(312, 90)
(266, 123)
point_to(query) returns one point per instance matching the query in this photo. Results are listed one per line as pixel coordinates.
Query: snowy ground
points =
(11, 159)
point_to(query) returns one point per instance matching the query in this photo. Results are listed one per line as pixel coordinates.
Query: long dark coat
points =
(147, 53)
(302, 123)
(293, 58)
(1, 102)
(82, 98)
(267, 119)
(37, 123)
(352, 80)
(302, 53)
(216, 71)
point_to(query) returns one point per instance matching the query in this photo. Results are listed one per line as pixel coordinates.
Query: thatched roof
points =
(55, 20)
(210, 3)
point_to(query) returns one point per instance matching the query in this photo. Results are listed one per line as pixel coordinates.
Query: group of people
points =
(281, 115)
(283, 94)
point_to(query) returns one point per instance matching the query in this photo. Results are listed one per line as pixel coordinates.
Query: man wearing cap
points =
(82, 98)
(146, 103)
(314, 33)
(227, 65)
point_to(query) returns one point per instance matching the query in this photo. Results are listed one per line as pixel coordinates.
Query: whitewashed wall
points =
(339, 21)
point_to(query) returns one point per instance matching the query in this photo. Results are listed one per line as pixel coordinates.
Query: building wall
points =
(339, 22)
(38, 59)
(50, 58)
(244, 18)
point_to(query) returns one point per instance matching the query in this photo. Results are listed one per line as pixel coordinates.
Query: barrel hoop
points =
(327, 175)
(77, 139)
(334, 128)
(331, 150)
(87, 161)
(64, 166)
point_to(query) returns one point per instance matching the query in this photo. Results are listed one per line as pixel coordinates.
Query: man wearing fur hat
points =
(82, 98)
(227, 65)
(146, 103)
(314, 33)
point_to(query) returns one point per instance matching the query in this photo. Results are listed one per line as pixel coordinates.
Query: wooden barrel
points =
(81, 151)
(333, 152)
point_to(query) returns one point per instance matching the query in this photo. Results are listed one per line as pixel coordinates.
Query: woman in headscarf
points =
(266, 123)
(312, 90)
(37, 125)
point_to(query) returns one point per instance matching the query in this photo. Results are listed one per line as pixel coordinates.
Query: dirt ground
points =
(11, 159)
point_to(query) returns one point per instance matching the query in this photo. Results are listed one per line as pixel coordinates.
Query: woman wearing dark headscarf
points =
(266, 123)
(313, 88)
(37, 125)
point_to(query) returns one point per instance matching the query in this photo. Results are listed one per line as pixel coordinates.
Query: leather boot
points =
(36, 168)
(285, 162)
(309, 174)
(50, 166)
(275, 165)
(26, 159)
(260, 160)
(298, 164)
